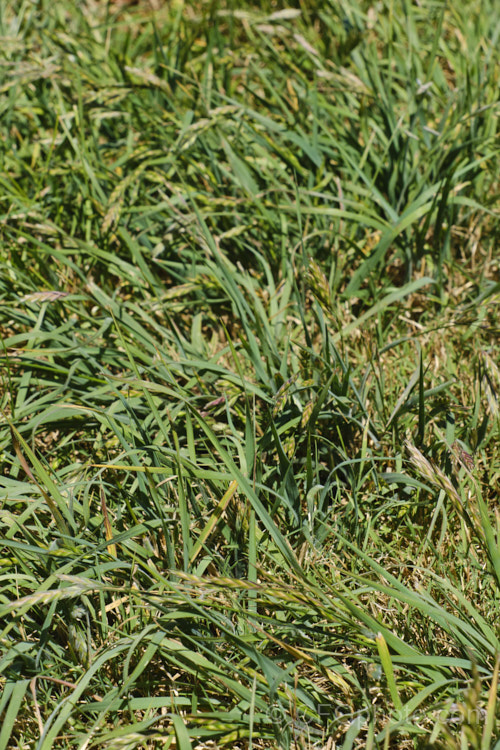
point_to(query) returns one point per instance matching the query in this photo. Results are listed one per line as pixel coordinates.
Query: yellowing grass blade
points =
(107, 526)
(214, 518)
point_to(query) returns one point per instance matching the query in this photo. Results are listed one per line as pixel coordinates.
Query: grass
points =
(249, 399)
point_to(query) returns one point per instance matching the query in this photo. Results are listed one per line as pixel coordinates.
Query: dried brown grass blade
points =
(107, 525)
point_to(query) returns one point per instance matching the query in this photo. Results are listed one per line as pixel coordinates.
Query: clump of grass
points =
(249, 390)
